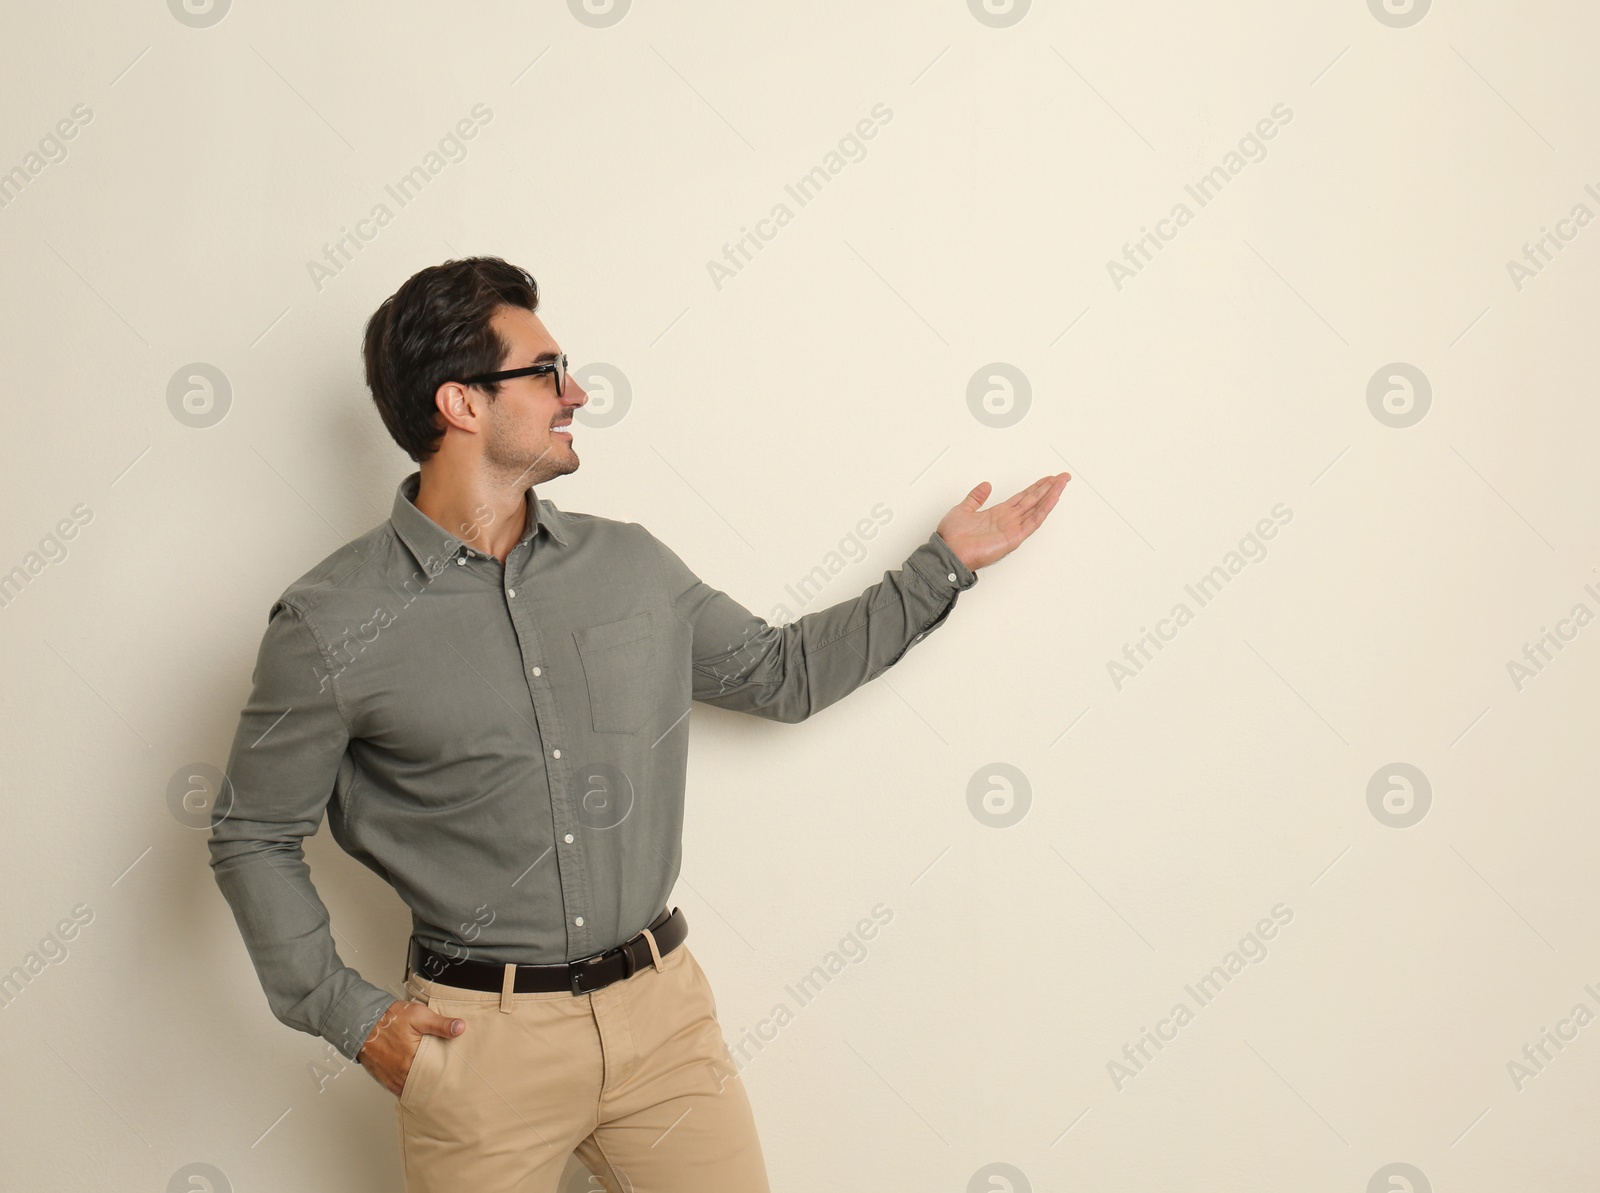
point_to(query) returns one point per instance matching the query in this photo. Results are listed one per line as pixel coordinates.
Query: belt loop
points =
(655, 953)
(506, 985)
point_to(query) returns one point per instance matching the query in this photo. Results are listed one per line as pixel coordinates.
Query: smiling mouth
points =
(564, 429)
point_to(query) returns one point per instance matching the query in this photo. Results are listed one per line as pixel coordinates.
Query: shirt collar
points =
(425, 537)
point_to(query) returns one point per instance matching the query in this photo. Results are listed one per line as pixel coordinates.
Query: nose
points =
(572, 393)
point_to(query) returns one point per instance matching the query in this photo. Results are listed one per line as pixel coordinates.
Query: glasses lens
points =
(561, 374)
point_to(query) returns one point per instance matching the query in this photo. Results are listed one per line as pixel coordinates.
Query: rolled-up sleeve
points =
(788, 673)
(281, 770)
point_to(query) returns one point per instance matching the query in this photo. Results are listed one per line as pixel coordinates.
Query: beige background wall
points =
(1363, 648)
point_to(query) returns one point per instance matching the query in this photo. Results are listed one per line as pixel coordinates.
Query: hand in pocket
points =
(392, 1045)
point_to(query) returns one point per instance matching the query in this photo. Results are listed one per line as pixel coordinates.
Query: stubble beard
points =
(511, 464)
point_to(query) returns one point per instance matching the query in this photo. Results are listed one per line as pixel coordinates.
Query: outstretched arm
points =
(788, 673)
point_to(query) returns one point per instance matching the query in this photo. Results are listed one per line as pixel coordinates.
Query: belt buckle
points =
(578, 969)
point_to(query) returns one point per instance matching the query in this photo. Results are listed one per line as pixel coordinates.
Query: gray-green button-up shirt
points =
(505, 745)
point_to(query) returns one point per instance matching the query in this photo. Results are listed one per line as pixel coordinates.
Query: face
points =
(527, 428)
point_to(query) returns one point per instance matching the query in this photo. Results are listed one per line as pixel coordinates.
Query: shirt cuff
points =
(354, 1016)
(936, 563)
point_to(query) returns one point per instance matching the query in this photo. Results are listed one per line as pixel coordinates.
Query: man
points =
(489, 696)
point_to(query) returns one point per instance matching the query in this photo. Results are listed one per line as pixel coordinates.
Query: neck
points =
(486, 513)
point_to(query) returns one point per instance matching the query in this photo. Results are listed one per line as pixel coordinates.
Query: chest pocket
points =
(620, 667)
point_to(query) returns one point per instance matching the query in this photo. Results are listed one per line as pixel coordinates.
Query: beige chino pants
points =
(635, 1079)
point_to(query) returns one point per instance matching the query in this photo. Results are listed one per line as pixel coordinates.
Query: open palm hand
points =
(978, 537)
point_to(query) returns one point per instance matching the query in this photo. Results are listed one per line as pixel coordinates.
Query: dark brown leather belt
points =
(581, 976)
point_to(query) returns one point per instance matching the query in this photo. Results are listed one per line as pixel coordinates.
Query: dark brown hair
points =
(434, 329)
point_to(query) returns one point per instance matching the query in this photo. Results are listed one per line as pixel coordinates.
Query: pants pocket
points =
(700, 978)
(416, 1078)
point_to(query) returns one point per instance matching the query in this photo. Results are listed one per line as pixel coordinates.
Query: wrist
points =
(962, 556)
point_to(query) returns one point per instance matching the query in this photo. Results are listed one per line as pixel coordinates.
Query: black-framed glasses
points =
(558, 366)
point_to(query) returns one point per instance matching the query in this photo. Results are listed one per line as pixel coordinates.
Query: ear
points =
(459, 406)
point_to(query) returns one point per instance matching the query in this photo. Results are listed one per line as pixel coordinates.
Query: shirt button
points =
(952, 577)
(511, 592)
(461, 561)
(536, 671)
(555, 753)
(578, 921)
(569, 838)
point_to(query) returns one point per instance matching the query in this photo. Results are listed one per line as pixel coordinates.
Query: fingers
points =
(435, 1024)
(1034, 493)
(1044, 500)
(1053, 490)
(1048, 499)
